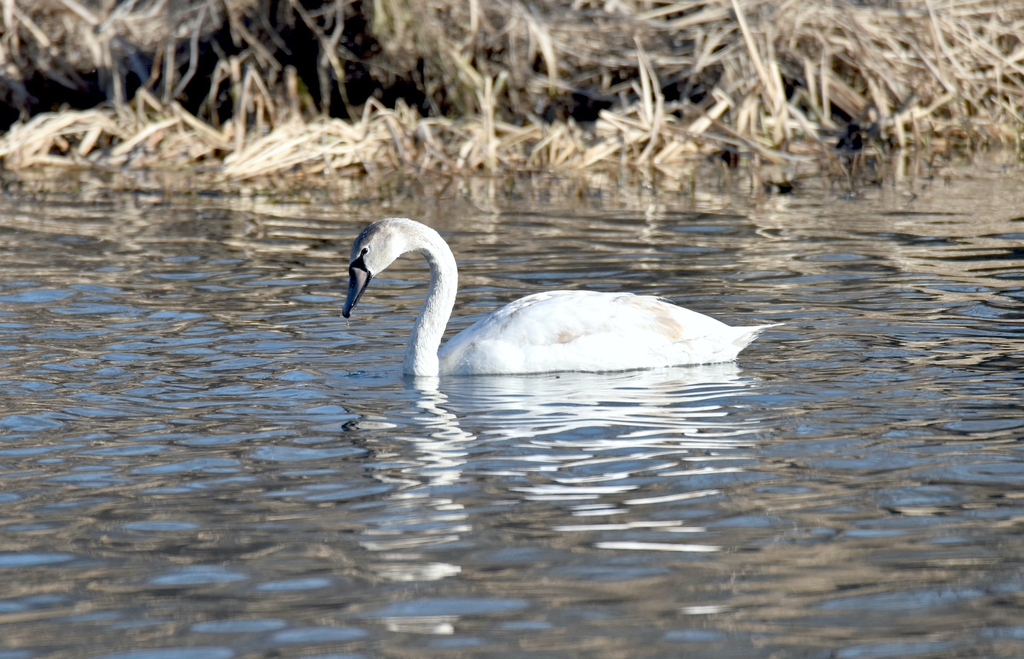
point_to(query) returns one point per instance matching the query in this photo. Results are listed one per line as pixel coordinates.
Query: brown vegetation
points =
(258, 87)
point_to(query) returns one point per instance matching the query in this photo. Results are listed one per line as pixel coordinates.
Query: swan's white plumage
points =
(590, 331)
(545, 332)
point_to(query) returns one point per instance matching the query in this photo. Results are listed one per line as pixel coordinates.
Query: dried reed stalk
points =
(667, 80)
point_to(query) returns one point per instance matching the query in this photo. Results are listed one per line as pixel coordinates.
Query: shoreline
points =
(652, 87)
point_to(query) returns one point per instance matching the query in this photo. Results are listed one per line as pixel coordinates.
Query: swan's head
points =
(376, 248)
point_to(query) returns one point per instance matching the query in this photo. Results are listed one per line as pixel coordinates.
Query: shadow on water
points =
(199, 458)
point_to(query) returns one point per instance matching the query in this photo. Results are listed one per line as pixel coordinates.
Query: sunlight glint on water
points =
(200, 458)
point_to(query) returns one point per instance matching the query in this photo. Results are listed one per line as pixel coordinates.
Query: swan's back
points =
(591, 331)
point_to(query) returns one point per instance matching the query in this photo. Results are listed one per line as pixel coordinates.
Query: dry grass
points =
(775, 80)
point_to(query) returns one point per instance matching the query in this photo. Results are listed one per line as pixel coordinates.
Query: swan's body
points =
(544, 332)
(590, 331)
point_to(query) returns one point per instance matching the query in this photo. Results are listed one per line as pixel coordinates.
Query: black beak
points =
(358, 278)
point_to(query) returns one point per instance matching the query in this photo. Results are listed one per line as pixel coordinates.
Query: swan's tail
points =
(744, 335)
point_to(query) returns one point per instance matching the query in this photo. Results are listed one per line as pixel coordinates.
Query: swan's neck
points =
(421, 357)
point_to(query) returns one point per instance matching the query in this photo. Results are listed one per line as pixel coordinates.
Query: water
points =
(199, 458)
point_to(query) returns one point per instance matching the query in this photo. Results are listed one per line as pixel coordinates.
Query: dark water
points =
(199, 458)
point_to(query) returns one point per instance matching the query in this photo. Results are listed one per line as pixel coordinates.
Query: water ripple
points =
(200, 459)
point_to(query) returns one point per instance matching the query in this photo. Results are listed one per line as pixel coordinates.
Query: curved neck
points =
(421, 356)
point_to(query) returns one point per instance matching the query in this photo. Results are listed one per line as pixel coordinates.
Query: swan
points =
(543, 332)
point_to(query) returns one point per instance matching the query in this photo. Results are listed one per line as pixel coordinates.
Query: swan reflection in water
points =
(685, 401)
(596, 444)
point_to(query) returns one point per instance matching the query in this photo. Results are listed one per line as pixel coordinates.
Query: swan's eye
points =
(365, 250)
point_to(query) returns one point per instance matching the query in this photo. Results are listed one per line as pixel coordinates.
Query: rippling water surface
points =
(200, 459)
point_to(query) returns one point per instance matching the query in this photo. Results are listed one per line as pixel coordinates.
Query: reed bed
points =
(503, 86)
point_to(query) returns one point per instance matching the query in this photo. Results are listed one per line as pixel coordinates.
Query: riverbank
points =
(347, 89)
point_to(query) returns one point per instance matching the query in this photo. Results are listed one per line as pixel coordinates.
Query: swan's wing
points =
(590, 331)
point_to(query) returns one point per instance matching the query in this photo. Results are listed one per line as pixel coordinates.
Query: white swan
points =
(543, 332)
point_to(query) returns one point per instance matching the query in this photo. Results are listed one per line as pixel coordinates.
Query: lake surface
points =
(200, 459)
